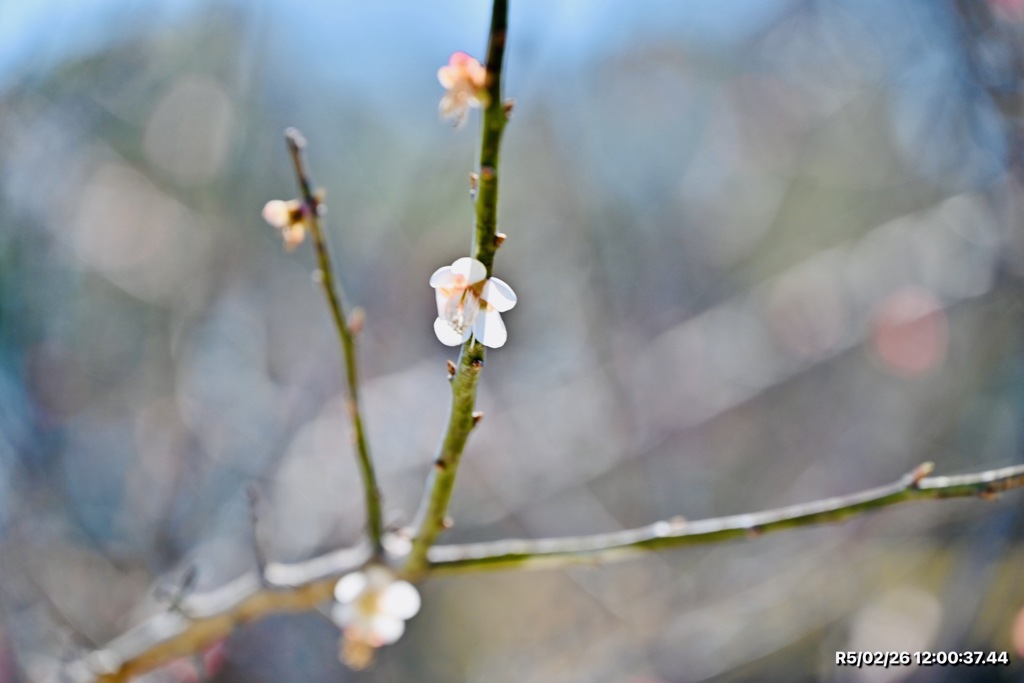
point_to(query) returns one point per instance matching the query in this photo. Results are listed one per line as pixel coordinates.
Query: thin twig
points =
(431, 519)
(205, 618)
(325, 276)
(494, 120)
(253, 499)
(675, 533)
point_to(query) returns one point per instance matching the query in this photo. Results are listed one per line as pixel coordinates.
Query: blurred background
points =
(766, 251)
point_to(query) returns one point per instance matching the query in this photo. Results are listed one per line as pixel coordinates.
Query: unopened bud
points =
(295, 137)
(357, 320)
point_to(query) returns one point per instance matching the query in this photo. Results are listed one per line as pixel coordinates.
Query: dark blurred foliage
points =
(766, 252)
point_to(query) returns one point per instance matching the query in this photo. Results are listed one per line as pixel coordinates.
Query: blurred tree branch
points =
(203, 619)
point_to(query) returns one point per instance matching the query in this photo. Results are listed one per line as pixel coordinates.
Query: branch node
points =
(488, 173)
(356, 320)
(253, 498)
(920, 472)
(507, 106)
(440, 465)
(175, 594)
(478, 415)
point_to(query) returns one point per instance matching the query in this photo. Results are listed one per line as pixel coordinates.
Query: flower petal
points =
(446, 76)
(386, 630)
(400, 600)
(442, 277)
(293, 235)
(447, 106)
(442, 303)
(378, 578)
(462, 60)
(498, 295)
(343, 615)
(277, 213)
(447, 334)
(349, 587)
(489, 329)
(472, 269)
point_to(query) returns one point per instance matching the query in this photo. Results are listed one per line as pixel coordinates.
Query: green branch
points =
(346, 333)
(432, 516)
(201, 620)
(495, 118)
(675, 533)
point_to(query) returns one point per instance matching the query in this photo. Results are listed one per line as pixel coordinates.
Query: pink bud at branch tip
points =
(464, 80)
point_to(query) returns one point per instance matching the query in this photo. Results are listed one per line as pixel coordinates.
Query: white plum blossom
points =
(464, 79)
(469, 304)
(289, 218)
(371, 610)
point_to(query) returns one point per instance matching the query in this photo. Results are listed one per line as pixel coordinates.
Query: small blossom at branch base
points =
(465, 80)
(372, 608)
(469, 304)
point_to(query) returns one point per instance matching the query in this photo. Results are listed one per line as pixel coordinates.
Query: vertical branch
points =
(495, 118)
(325, 276)
(431, 519)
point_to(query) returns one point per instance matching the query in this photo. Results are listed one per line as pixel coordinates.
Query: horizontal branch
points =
(561, 552)
(200, 620)
(203, 619)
